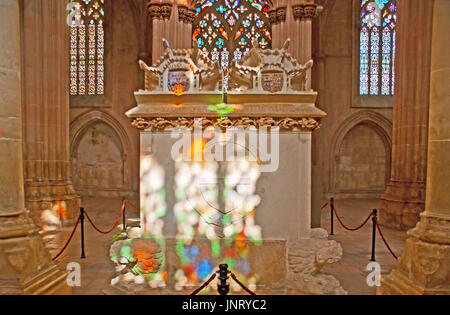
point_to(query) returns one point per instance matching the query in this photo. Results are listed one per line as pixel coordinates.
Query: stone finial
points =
(286, 44)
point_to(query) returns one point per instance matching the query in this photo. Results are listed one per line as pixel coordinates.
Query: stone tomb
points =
(225, 177)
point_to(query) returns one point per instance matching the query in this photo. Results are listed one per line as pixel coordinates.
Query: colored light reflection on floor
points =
(206, 234)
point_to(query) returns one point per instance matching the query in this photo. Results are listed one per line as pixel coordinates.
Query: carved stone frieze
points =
(154, 10)
(305, 124)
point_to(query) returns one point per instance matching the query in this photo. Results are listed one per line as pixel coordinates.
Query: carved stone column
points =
(404, 198)
(46, 109)
(172, 21)
(25, 266)
(424, 267)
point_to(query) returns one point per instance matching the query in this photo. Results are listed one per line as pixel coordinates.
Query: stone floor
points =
(351, 270)
(97, 271)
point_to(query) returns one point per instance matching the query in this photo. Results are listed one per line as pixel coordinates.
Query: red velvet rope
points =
(384, 240)
(213, 276)
(323, 207)
(115, 223)
(242, 285)
(69, 240)
(350, 229)
(133, 205)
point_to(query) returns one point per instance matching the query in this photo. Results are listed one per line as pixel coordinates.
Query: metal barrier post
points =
(374, 232)
(332, 215)
(223, 287)
(83, 256)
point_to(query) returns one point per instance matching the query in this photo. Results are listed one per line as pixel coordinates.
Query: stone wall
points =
(361, 162)
(115, 165)
(353, 125)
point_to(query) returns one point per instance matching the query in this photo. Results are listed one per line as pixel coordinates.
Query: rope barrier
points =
(233, 276)
(351, 229)
(213, 276)
(376, 227)
(384, 240)
(69, 240)
(133, 205)
(115, 224)
(323, 207)
(242, 285)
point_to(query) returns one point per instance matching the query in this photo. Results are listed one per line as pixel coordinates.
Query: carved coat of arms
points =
(178, 81)
(272, 81)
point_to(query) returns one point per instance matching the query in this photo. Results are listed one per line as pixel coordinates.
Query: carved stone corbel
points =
(288, 123)
(299, 11)
(191, 15)
(154, 10)
(166, 11)
(281, 14)
(183, 14)
(273, 17)
(306, 11)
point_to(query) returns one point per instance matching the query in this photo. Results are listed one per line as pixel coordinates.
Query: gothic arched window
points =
(87, 49)
(225, 27)
(377, 47)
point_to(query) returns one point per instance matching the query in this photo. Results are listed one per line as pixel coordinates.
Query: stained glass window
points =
(227, 28)
(87, 49)
(377, 47)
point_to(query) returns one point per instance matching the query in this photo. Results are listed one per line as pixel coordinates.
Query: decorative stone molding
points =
(305, 124)
(306, 11)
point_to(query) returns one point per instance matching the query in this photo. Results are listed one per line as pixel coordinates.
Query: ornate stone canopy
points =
(266, 88)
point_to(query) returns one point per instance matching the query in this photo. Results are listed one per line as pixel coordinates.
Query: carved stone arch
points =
(84, 122)
(375, 121)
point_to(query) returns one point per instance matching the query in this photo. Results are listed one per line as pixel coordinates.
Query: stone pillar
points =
(172, 21)
(25, 265)
(293, 20)
(404, 198)
(48, 184)
(424, 267)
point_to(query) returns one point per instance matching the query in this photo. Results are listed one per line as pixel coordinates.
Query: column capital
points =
(304, 11)
(160, 11)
